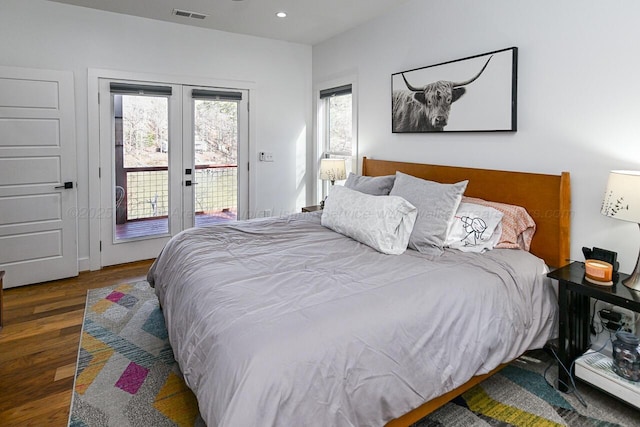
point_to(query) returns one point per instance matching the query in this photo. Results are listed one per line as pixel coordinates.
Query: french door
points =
(169, 158)
(216, 129)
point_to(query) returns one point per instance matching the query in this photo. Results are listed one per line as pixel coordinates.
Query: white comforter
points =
(285, 322)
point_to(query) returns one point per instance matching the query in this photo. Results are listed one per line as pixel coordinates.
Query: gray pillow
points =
(436, 203)
(374, 185)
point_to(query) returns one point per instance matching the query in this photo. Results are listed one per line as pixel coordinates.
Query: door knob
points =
(67, 185)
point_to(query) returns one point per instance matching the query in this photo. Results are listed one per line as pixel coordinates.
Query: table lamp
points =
(333, 170)
(622, 201)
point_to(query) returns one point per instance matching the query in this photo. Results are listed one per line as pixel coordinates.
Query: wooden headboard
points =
(547, 198)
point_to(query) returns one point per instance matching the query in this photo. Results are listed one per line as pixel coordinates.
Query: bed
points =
(282, 321)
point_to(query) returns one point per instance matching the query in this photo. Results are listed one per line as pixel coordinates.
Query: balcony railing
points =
(143, 192)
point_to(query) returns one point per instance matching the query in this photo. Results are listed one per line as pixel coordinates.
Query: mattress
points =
(282, 321)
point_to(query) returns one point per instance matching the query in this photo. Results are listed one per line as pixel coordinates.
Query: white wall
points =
(578, 93)
(43, 34)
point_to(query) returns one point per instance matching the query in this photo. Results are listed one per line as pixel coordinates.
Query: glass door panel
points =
(141, 166)
(140, 152)
(215, 136)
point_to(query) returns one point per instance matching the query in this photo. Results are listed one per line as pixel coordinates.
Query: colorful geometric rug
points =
(127, 376)
(518, 396)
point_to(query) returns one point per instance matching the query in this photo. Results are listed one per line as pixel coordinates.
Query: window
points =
(336, 127)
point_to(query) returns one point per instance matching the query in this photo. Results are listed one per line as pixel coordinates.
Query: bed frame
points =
(547, 198)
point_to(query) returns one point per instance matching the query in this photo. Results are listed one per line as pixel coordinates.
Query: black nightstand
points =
(573, 298)
(313, 208)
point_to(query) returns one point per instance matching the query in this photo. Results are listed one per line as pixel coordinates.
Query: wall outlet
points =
(628, 319)
(265, 156)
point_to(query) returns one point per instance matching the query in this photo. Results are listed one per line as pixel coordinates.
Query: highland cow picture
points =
(474, 94)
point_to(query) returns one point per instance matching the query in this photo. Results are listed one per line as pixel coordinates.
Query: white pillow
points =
(474, 228)
(381, 222)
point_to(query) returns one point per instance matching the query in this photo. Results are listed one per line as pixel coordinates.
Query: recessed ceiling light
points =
(281, 14)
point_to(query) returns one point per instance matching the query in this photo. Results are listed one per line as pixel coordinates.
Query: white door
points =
(215, 152)
(140, 195)
(38, 199)
(169, 161)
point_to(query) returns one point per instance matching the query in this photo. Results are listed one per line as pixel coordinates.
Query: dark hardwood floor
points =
(39, 344)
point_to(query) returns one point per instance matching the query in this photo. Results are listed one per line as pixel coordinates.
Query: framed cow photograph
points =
(474, 94)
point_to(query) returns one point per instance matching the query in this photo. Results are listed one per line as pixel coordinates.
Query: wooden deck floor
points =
(153, 226)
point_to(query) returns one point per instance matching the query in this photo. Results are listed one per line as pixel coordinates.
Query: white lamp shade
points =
(622, 198)
(333, 169)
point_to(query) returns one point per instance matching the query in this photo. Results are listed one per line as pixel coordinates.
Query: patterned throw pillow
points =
(474, 228)
(518, 227)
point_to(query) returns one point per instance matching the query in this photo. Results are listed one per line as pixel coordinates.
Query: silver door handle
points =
(189, 183)
(67, 185)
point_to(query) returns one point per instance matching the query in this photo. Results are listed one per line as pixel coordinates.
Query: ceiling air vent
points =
(189, 14)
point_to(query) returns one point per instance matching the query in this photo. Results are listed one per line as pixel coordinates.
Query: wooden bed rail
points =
(422, 411)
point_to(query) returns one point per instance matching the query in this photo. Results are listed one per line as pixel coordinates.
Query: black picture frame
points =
(473, 94)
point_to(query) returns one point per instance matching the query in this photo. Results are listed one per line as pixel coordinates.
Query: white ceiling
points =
(308, 21)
